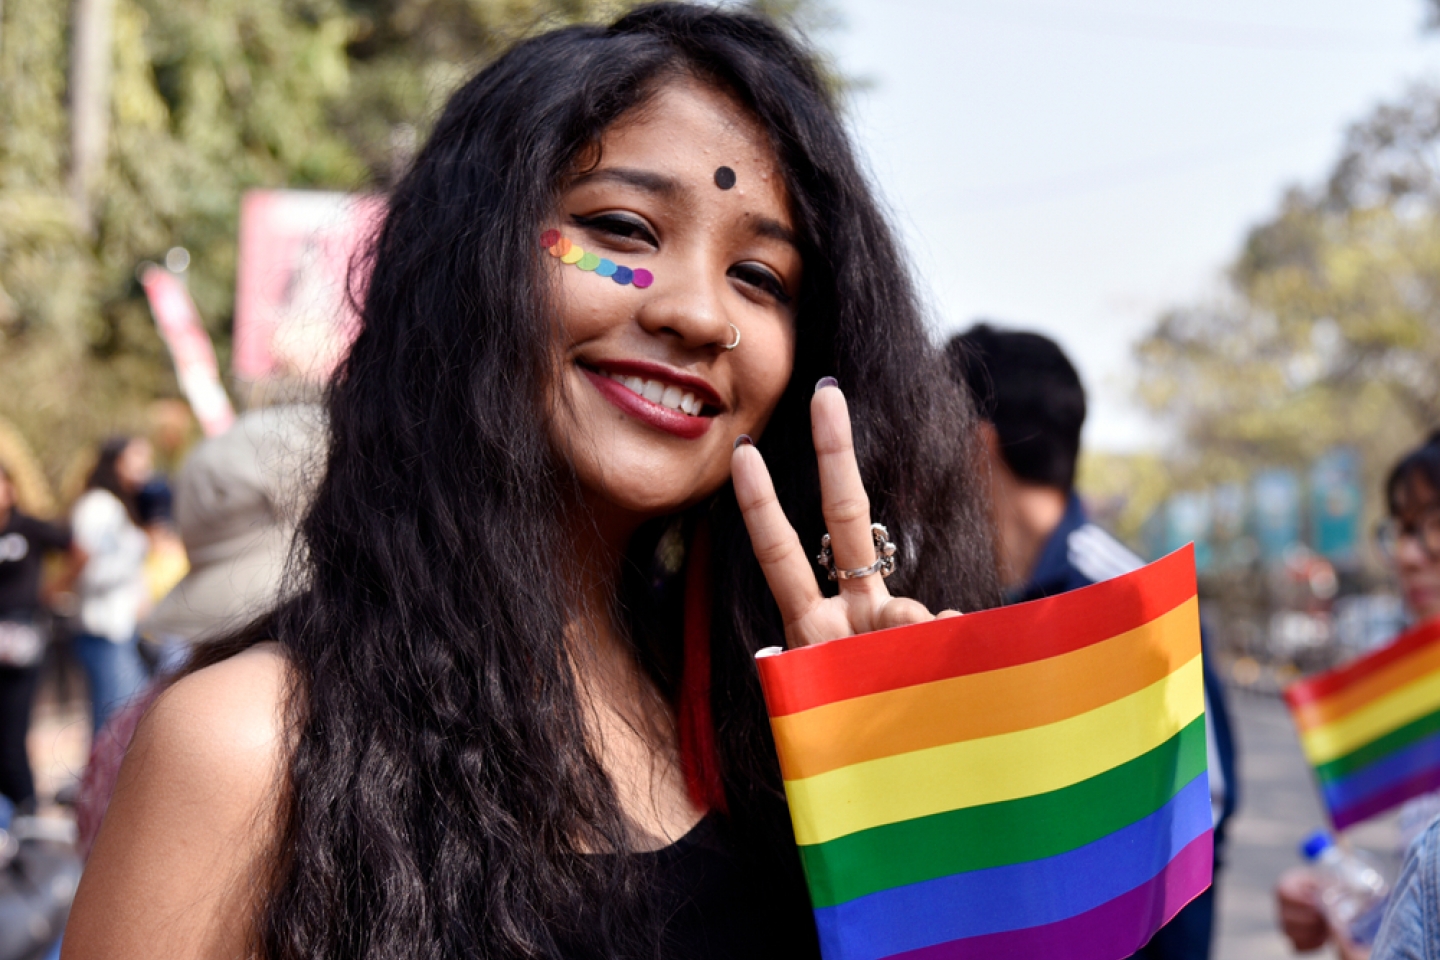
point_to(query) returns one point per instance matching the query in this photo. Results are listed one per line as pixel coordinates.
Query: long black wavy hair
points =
(441, 792)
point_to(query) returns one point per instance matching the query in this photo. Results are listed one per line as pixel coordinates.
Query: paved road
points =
(1279, 807)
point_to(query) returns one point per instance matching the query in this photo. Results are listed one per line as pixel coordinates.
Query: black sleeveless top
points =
(710, 908)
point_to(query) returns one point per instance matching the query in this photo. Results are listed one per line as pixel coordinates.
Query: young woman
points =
(111, 587)
(513, 711)
(1410, 540)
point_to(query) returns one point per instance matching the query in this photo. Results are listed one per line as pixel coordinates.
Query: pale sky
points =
(1078, 167)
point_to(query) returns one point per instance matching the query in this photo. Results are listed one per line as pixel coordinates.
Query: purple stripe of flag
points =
(1380, 775)
(1110, 931)
(1378, 803)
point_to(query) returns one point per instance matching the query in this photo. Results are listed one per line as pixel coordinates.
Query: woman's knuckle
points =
(773, 552)
(756, 501)
(848, 510)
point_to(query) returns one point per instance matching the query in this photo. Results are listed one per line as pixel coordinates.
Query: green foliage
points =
(1330, 329)
(208, 98)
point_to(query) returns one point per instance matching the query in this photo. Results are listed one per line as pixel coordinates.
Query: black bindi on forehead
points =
(724, 178)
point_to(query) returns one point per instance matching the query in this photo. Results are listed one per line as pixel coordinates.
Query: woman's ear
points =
(989, 439)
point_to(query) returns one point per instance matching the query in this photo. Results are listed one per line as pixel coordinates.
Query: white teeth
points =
(663, 394)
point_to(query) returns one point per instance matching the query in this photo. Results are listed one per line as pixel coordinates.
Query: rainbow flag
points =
(1371, 729)
(1022, 782)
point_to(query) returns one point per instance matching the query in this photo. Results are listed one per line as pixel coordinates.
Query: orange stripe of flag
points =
(1316, 713)
(1006, 637)
(1334, 681)
(988, 704)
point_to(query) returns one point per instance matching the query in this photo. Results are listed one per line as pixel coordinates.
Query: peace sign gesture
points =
(864, 603)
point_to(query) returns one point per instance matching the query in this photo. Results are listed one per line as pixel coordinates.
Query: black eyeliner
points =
(773, 286)
(598, 223)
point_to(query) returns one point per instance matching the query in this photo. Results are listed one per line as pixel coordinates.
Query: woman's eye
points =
(619, 227)
(761, 279)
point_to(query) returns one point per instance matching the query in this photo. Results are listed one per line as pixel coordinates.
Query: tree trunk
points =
(91, 59)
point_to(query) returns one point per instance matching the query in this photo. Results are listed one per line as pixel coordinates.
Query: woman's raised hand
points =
(864, 603)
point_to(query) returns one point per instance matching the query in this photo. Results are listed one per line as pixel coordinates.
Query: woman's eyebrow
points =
(669, 188)
(775, 230)
(646, 180)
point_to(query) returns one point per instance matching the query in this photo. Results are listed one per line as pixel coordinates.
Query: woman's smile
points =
(666, 399)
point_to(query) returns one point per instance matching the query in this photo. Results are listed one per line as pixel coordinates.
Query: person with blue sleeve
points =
(1411, 928)
(1032, 407)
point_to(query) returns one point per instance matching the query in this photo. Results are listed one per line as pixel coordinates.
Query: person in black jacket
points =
(1032, 406)
(24, 541)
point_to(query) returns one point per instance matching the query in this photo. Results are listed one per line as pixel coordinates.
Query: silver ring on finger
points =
(884, 557)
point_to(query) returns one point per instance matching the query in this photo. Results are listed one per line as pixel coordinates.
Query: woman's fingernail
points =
(827, 382)
(743, 441)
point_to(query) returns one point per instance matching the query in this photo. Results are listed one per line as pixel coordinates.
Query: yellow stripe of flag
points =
(994, 769)
(978, 705)
(1339, 737)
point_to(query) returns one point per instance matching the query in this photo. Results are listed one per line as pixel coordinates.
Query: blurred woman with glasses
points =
(1409, 539)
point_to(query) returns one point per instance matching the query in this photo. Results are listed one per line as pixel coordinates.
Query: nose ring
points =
(736, 342)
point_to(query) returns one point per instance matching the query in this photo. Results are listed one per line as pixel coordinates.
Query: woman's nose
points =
(689, 308)
(1410, 552)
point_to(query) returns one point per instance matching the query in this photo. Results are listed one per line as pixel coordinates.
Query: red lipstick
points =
(674, 422)
(647, 370)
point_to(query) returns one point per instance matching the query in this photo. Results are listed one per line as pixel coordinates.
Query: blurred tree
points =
(1329, 331)
(1122, 490)
(204, 99)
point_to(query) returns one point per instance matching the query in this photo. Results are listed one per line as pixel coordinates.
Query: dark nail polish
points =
(827, 382)
(743, 441)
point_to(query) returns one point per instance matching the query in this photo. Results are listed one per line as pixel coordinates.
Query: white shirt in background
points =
(111, 587)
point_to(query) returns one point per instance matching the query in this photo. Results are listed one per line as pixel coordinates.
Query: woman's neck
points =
(629, 721)
(598, 538)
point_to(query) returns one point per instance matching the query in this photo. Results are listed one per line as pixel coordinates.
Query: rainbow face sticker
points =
(567, 252)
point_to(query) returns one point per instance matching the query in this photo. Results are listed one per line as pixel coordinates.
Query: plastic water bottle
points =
(1352, 888)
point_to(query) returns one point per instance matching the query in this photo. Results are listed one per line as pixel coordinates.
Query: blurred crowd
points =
(113, 594)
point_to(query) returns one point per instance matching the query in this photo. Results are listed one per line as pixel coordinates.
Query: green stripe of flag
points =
(1015, 831)
(1396, 739)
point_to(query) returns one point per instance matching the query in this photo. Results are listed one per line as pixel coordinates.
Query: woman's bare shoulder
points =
(187, 844)
(228, 714)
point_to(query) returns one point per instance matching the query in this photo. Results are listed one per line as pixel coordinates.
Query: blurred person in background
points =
(238, 500)
(1032, 406)
(166, 562)
(111, 588)
(1409, 539)
(24, 541)
(171, 424)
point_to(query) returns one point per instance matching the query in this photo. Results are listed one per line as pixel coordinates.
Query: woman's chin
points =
(649, 504)
(649, 482)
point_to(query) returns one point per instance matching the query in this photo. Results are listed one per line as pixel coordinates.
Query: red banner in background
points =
(190, 347)
(293, 318)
